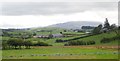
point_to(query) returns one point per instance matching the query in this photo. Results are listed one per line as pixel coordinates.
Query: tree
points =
(87, 27)
(104, 40)
(15, 42)
(34, 34)
(100, 26)
(41, 44)
(118, 31)
(65, 30)
(113, 27)
(20, 43)
(60, 40)
(27, 44)
(98, 29)
(70, 43)
(12, 42)
(4, 44)
(60, 32)
(106, 24)
(5, 33)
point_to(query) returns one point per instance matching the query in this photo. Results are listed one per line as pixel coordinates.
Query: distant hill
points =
(75, 24)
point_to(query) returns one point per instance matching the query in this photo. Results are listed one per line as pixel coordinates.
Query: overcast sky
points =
(35, 14)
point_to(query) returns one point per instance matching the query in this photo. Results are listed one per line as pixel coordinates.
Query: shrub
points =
(60, 40)
(41, 44)
(66, 44)
(70, 43)
(105, 40)
(15, 42)
(90, 42)
(4, 44)
(28, 44)
(12, 42)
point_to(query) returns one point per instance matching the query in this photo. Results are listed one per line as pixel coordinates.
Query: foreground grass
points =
(60, 52)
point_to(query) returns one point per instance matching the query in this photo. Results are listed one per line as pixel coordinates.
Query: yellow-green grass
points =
(98, 38)
(52, 40)
(60, 53)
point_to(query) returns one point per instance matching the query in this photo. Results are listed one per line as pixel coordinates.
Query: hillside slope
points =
(98, 38)
(75, 24)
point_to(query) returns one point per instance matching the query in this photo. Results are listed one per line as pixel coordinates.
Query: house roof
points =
(57, 34)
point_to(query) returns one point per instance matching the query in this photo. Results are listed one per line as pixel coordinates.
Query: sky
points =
(39, 14)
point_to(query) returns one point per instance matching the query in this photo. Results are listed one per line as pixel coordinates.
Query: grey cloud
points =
(10, 26)
(48, 8)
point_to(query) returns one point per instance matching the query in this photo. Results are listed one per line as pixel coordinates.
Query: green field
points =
(98, 38)
(61, 53)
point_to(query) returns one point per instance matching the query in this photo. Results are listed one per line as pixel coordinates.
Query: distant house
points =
(41, 36)
(87, 32)
(76, 30)
(48, 36)
(56, 35)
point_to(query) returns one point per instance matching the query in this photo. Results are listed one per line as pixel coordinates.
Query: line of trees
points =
(107, 28)
(73, 43)
(87, 27)
(41, 44)
(60, 40)
(117, 37)
(18, 34)
(17, 43)
(107, 40)
(104, 28)
(76, 38)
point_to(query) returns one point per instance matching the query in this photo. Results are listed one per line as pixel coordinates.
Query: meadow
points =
(61, 52)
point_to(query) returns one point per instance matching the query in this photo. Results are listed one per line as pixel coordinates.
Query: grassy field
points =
(59, 51)
(46, 30)
(98, 38)
(71, 52)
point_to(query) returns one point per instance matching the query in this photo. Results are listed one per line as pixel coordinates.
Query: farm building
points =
(48, 36)
(55, 35)
(41, 36)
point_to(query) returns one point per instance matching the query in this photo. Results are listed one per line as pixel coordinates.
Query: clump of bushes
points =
(72, 43)
(27, 44)
(76, 38)
(17, 43)
(41, 44)
(60, 40)
(107, 40)
(90, 42)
